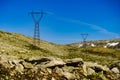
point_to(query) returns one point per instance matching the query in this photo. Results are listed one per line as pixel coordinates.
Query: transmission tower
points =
(36, 28)
(84, 36)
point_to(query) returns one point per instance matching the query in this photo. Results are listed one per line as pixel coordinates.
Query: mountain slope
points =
(13, 43)
(22, 46)
(20, 59)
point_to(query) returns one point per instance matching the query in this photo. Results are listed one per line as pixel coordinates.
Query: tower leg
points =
(36, 35)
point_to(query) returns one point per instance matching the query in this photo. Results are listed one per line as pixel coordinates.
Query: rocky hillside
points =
(50, 68)
(21, 60)
(114, 43)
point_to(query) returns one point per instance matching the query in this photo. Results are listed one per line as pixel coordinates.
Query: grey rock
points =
(44, 79)
(19, 67)
(27, 65)
(69, 76)
(59, 71)
(115, 64)
(15, 62)
(96, 67)
(90, 71)
(65, 72)
(49, 70)
(115, 70)
(84, 68)
(53, 78)
(37, 61)
(53, 63)
(68, 68)
(46, 62)
(74, 62)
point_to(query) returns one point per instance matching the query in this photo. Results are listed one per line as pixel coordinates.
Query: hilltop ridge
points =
(22, 46)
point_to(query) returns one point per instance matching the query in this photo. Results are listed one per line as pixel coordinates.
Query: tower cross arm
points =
(38, 12)
(35, 13)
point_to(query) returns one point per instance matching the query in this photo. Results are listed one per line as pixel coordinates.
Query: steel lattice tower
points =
(36, 28)
(84, 36)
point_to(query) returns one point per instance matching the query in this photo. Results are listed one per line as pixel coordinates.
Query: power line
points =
(36, 28)
(84, 36)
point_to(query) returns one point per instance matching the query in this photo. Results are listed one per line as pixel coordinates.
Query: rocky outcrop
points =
(115, 68)
(96, 67)
(49, 68)
(74, 62)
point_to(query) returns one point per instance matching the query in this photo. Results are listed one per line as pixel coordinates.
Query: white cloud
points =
(102, 30)
(92, 26)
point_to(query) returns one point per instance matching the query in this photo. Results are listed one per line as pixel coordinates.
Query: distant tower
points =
(36, 28)
(84, 36)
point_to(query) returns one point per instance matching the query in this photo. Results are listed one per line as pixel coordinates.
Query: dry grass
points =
(22, 47)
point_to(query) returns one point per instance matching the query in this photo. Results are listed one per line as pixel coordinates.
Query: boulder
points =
(19, 67)
(115, 64)
(27, 65)
(59, 71)
(96, 67)
(44, 79)
(74, 62)
(115, 70)
(68, 69)
(54, 63)
(69, 76)
(53, 78)
(37, 61)
(84, 68)
(49, 70)
(15, 62)
(90, 71)
(47, 62)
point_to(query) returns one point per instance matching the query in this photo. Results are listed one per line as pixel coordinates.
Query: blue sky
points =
(66, 19)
